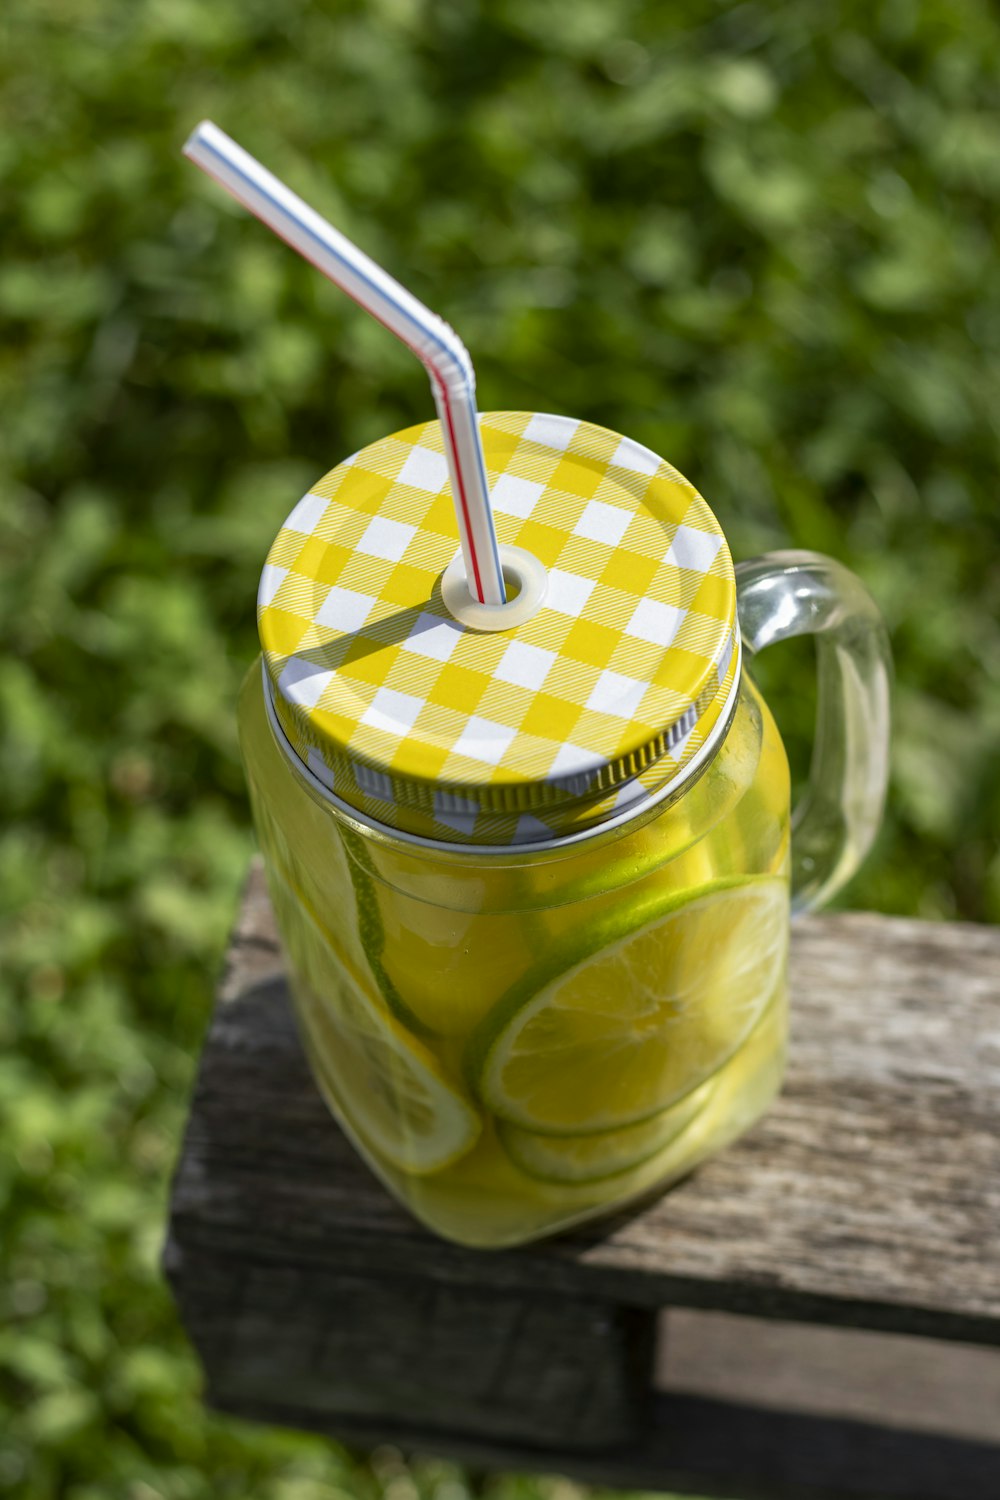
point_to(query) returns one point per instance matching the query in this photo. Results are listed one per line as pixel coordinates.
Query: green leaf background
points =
(760, 239)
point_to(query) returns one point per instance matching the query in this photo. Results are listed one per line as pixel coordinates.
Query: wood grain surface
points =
(340, 1346)
(888, 1379)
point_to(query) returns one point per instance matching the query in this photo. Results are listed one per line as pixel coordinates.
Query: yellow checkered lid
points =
(593, 705)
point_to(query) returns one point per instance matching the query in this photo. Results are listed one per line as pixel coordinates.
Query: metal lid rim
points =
(688, 772)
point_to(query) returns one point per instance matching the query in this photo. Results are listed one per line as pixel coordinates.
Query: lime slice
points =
(440, 969)
(626, 1022)
(391, 1089)
(310, 855)
(371, 928)
(593, 1158)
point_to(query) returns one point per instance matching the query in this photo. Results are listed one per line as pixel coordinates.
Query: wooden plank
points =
(868, 1196)
(890, 1380)
(336, 1346)
(713, 1448)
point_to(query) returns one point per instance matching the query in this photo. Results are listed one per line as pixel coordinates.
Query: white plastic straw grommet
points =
(435, 344)
(524, 573)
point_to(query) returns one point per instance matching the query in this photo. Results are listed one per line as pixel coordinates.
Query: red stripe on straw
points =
(463, 501)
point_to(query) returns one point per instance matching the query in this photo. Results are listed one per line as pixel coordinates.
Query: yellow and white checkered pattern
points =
(598, 700)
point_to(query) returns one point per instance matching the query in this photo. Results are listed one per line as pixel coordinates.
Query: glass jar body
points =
(520, 1040)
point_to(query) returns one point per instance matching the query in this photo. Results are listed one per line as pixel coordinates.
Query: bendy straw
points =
(435, 344)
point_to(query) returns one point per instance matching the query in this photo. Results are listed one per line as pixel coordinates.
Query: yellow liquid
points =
(407, 963)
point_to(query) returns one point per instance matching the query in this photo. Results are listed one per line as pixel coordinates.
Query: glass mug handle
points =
(784, 594)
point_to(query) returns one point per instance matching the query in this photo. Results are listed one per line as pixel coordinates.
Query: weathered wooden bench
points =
(832, 1282)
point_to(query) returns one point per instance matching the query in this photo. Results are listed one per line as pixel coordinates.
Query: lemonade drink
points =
(448, 1002)
(528, 997)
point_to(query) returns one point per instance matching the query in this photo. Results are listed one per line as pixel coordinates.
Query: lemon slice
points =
(388, 1085)
(450, 968)
(391, 1089)
(609, 1153)
(607, 1034)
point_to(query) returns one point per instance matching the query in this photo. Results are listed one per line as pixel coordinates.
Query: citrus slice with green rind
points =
(578, 1159)
(622, 1024)
(389, 1086)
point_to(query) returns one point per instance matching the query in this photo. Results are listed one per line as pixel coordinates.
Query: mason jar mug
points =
(534, 880)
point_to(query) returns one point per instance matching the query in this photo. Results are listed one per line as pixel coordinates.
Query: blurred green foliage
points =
(759, 239)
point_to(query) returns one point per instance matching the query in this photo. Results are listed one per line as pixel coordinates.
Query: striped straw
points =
(437, 346)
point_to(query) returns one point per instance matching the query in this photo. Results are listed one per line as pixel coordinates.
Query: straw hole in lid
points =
(526, 582)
